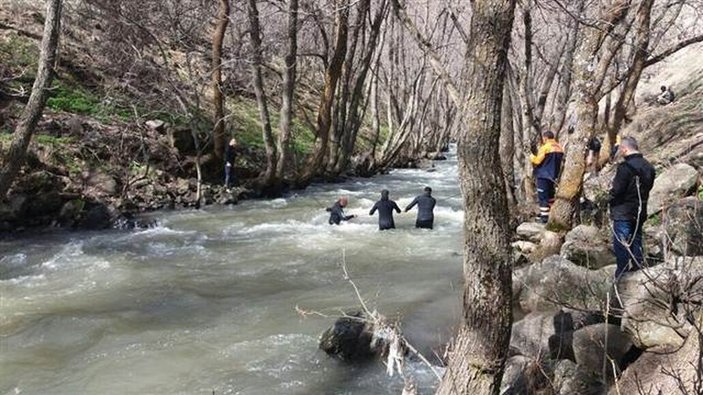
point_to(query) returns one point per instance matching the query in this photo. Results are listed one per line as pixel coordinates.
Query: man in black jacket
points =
(633, 180)
(229, 163)
(385, 208)
(425, 206)
(337, 211)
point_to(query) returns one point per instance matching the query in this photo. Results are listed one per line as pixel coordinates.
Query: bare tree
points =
(37, 100)
(332, 75)
(261, 101)
(217, 97)
(592, 61)
(289, 76)
(478, 359)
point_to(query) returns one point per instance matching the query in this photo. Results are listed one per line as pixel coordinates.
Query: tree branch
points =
(681, 45)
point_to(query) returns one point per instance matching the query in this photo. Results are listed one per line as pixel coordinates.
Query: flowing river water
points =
(206, 301)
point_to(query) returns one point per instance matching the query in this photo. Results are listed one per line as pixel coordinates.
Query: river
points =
(206, 301)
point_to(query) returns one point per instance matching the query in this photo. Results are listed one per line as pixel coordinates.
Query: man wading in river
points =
(385, 208)
(425, 206)
(337, 211)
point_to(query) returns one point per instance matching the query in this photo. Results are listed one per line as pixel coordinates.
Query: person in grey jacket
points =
(425, 207)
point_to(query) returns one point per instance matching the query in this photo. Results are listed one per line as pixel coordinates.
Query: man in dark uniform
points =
(633, 180)
(547, 164)
(337, 211)
(385, 208)
(229, 163)
(425, 206)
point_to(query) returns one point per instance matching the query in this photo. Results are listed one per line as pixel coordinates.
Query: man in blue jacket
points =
(547, 164)
(385, 208)
(633, 180)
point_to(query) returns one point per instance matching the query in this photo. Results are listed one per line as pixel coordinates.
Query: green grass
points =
(73, 99)
(17, 52)
(654, 220)
(52, 140)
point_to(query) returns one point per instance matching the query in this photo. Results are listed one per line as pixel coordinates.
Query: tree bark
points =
(289, 77)
(32, 112)
(255, 32)
(219, 138)
(507, 150)
(477, 361)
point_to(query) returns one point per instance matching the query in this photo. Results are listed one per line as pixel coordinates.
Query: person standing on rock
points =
(633, 180)
(229, 163)
(425, 209)
(337, 211)
(547, 164)
(385, 208)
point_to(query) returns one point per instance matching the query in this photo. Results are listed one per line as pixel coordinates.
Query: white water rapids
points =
(205, 302)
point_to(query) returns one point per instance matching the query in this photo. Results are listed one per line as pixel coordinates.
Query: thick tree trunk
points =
(255, 32)
(289, 77)
(478, 359)
(219, 138)
(32, 112)
(332, 75)
(592, 62)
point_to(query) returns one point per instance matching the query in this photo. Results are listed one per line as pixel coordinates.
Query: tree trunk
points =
(32, 112)
(592, 62)
(638, 64)
(289, 77)
(507, 149)
(477, 361)
(219, 138)
(332, 75)
(255, 32)
(565, 74)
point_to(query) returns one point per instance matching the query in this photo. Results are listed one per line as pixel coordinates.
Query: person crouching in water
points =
(425, 206)
(547, 165)
(385, 208)
(337, 211)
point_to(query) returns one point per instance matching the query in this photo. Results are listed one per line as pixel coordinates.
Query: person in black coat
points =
(229, 163)
(425, 209)
(337, 211)
(385, 208)
(633, 180)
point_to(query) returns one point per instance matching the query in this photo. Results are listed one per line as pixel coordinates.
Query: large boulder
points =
(585, 245)
(593, 343)
(522, 375)
(656, 301)
(683, 226)
(556, 282)
(530, 231)
(99, 183)
(668, 370)
(674, 183)
(569, 379)
(349, 338)
(97, 217)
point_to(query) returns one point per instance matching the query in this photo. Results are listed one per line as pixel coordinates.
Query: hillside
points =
(118, 143)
